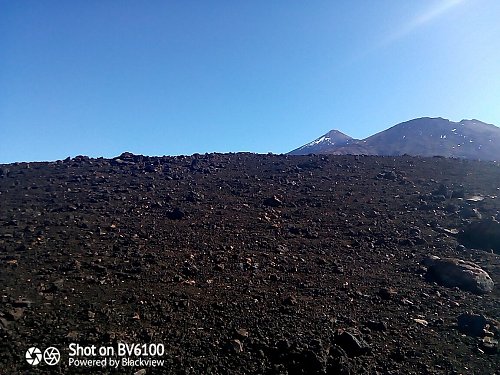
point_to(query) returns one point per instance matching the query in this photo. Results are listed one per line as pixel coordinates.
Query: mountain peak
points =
(334, 138)
(425, 136)
(336, 132)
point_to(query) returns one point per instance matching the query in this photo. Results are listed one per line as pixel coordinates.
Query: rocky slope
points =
(470, 139)
(254, 264)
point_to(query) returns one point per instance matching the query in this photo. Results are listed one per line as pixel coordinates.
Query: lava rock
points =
(442, 190)
(352, 344)
(176, 214)
(490, 345)
(483, 234)
(22, 302)
(194, 196)
(452, 272)
(387, 293)
(468, 212)
(234, 346)
(388, 175)
(241, 334)
(376, 325)
(472, 324)
(273, 201)
(290, 301)
(15, 313)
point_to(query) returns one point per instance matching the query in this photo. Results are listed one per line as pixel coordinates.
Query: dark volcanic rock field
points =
(250, 264)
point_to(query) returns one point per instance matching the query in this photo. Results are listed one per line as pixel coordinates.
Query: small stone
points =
(438, 322)
(290, 301)
(387, 293)
(388, 175)
(283, 345)
(234, 346)
(337, 268)
(272, 201)
(489, 345)
(458, 192)
(176, 214)
(441, 190)
(190, 270)
(241, 334)
(22, 302)
(193, 196)
(73, 335)
(15, 313)
(75, 265)
(219, 267)
(423, 322)
(4, 322)
(376, 325)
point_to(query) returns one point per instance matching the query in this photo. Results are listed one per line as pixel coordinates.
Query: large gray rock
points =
(452, 272)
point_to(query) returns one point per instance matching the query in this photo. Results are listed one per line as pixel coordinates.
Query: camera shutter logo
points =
(51, 356)
(33, 356)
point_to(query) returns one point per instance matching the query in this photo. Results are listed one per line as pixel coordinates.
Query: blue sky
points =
(99, 77)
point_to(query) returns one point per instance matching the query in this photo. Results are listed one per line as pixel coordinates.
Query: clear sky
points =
(99, 77)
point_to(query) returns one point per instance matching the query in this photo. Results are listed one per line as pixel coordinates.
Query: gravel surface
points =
(252, 264)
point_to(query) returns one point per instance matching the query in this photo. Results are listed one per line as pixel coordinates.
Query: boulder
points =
(353, 344)
(482, 234)
(452, 272)
(472, 324)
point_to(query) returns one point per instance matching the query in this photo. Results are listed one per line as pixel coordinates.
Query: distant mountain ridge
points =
(469, 139)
